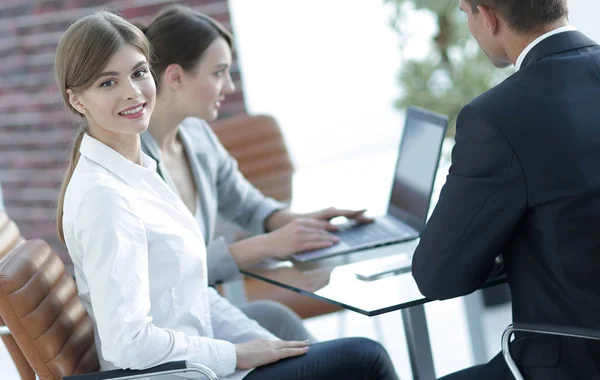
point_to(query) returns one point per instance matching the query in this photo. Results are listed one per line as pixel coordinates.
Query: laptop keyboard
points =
(368, 233)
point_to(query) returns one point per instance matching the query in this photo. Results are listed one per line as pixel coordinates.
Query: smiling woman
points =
(118, 104)
(90, 51)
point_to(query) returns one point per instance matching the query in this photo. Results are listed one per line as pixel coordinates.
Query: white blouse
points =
(140, 267)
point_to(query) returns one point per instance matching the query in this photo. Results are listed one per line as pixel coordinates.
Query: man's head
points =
(491, 21)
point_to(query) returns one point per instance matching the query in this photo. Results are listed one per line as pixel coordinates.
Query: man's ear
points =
(173, 76)
(490, 17)
(75, 101)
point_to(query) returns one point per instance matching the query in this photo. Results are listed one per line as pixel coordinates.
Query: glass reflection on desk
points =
(334, 280)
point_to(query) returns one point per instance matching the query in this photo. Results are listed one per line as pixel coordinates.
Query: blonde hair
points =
(83, 52)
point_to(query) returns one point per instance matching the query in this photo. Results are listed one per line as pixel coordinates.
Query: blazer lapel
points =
(557, 43)
(199, 163)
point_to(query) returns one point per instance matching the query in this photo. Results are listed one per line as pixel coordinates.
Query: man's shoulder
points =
(503, 94)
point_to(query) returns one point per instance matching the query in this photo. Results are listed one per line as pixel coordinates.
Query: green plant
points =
(457, 70)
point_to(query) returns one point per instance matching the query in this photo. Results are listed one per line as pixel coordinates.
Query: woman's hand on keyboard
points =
(301, 234)
(329, 213)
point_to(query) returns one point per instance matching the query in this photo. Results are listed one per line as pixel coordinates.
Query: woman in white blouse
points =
(193, 79)
(138, 252)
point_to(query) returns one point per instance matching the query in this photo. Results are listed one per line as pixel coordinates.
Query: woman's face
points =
(122, 98)
(206, 86)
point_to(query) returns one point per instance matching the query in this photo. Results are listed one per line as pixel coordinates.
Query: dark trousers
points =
(495, 369)
(347, 359)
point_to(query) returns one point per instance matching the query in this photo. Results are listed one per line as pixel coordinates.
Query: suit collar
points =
(557, 43)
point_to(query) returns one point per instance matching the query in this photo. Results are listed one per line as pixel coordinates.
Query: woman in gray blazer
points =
(191, 67)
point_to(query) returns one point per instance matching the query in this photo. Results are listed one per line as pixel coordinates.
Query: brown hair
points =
(181, 35)
(525, 15)
(83, 52)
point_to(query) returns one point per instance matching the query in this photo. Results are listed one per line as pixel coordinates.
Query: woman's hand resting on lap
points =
(261, 352)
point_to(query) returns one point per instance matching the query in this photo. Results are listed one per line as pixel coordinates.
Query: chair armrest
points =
(4, 330)
(498, 267)
(172, 368)
(568, 331)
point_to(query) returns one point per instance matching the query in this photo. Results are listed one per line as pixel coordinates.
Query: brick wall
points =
(35, 130)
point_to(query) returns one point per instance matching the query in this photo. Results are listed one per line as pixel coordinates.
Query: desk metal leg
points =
(417, 340)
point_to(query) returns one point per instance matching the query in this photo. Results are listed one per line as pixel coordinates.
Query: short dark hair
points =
(526, 15)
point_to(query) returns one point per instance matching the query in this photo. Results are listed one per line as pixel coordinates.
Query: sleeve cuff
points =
(226, 357)
(267, 207)
(221, 266)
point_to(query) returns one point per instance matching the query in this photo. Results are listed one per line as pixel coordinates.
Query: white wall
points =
(584, 15)
(327, 70)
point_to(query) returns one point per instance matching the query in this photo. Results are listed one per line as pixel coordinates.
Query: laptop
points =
(416, 167)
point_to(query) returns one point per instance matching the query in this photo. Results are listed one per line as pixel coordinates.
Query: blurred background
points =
(336, 74)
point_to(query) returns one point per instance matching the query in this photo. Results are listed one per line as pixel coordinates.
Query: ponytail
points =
(70, 169)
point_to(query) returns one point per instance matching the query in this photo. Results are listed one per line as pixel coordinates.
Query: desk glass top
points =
(355, 184)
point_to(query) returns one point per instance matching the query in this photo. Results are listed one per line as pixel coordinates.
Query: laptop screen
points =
(416, 167)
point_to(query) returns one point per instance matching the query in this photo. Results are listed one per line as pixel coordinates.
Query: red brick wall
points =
(35, 131)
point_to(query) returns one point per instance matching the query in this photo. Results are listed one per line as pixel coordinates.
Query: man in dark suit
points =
(525, 183)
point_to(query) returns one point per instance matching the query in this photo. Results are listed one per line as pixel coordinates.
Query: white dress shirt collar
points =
(533, 44)
(113, 161)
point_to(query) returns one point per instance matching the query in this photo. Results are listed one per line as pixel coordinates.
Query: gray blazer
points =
(222, 190)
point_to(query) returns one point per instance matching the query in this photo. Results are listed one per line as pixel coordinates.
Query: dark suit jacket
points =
(525, 183)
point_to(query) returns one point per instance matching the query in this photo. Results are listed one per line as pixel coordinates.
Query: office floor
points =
(447, 328)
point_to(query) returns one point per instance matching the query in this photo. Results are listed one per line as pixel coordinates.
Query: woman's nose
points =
(132, 92)
(230, 87)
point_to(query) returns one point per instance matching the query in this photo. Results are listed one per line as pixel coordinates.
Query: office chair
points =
(573, 332)
(10, 238)
(257, 144)
(42, 312)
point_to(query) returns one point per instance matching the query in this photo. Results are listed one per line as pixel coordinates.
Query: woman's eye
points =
(108, 83)
(220, 73)
(140, 73)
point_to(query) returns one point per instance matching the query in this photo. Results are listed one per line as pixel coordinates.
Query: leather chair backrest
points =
(256, 142)
(40, 306)
(10, 238)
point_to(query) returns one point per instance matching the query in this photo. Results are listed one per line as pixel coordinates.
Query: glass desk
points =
(334, 280)
(361, 183)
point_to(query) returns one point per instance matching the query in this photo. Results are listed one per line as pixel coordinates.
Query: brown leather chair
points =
(40, 306)
(10, 238)
(256, 142)
(258, 146)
